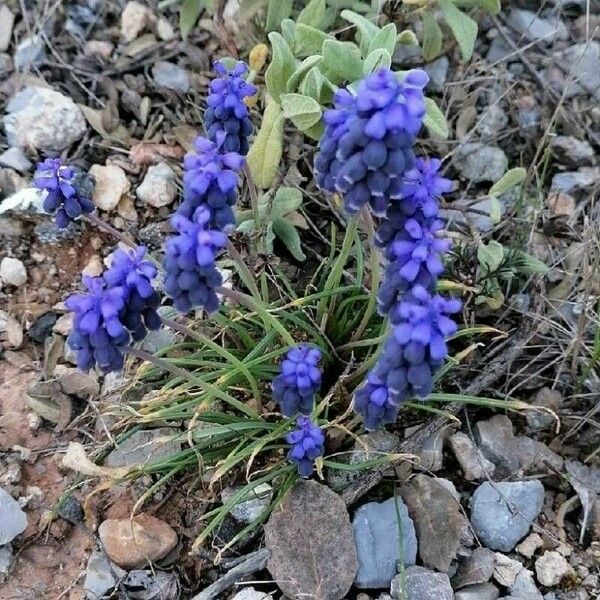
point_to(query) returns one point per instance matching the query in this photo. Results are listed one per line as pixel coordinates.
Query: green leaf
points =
(189, 12)
(463, 27)
(269, 237)
(490, 255)
(343, 58)
(376, 60)
(278, 11)
(385, 39)
(407, 38)
(490, 6)
(288, 234)
(283, 65)
(286, 200)
(265, 154)
(303, 111)
(434, 120)
(530, 265)
(367, 29)
(509, 180)
(303, 68)
(316, 131)
(312, 84)
(312, 14)
(495, 210)
(288, 30)
(309, 40)
(432, 37)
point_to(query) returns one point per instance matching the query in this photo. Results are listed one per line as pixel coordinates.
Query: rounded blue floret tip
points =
(299, 380)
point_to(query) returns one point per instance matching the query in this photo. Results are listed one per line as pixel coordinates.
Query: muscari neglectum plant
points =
(256, 379)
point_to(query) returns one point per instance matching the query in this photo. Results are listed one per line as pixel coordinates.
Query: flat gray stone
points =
(419, 583)
(100, 576)
(569, 150)
(438, 73)
(251, 509)
(43, 119)
(479, 162)
(499, 50)
(376, 534)
(6, 558)
(494, 122)
(475, 466)
(13, 520)
(15, 158)
(480, 591)
(144, 447)
(477, 568)
(171, 76)
(570, 182)
(502, 513)
(580, 72)
(533, 27)
(29, 52)
(524, 587)
(495, 438)
(249, 593)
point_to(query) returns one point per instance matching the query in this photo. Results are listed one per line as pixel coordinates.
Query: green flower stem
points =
(256, 306)
(244, 272)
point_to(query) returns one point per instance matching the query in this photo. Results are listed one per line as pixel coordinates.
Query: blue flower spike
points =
(307, 444)
(299, 380)
(227, 113)
(63, 198)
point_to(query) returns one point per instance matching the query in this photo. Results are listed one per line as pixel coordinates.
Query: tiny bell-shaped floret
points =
(307, 444)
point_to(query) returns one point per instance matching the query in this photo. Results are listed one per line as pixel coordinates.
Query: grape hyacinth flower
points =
(307, 445)
(300, 378)
(130, 270)
(367, 144)
(63, 198)
(210, 180)
(191, 274)
(411, 355)
(98, 335)
(227, 112)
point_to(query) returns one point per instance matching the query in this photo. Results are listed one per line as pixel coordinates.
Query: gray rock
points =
(479, 162)
(580, 72)
(499, 50)
(158, 188)
(171, 76)
(540, 420)
(418, 583)
(477, 211)
(6, 63)
(535, 456)
(29, 52)
(438, 73)
(495, 439)
(13, 520)
(151, 585)
(475, 466)
(506, 570)
(502, 513)
(43, 119)
(376, 534)
(100, 576)
(474, 569)
(76, 383)
(13, 272)
(524, 587)
(7, 20)
(159, 339)
(533, 27)
(431, 454)
(568, 149)
(249, 510)
(15, 158)
(575, 181)
(494, 122)
(6, 558)
(249, 593)
(481, 591)
(148, 446)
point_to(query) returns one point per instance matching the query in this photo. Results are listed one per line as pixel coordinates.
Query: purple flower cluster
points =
(226, 112)
(307, 445)
(64, 198)
(116, 308)
(300, 378)
(367, 144)
(410, 235)
(191, 274)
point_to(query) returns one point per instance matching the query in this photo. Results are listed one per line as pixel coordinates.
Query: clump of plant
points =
(264, 373)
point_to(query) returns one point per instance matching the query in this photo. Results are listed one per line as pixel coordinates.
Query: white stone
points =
(249, 509)
(134, 19)
(165, 30)
(94, 267)
(111, 184)
(506, 570)
(158, 187)
(249, 593)
(43, 119)
(27, 200)
(13, 272)
(550, 568)
(7, 19)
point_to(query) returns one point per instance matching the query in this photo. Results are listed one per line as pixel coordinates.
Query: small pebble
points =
(13, 272)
